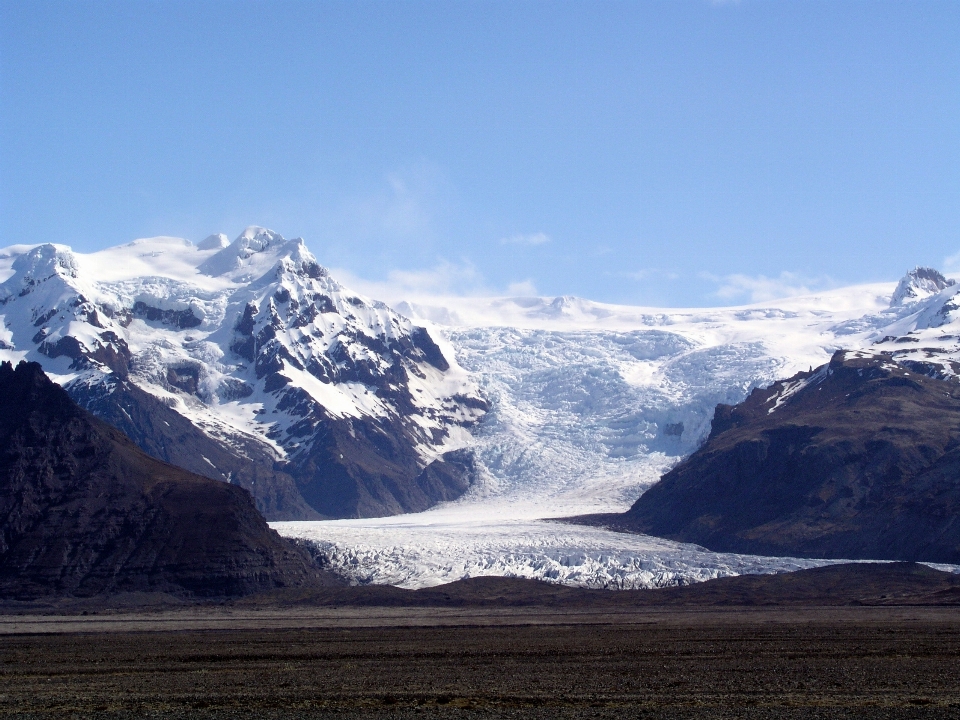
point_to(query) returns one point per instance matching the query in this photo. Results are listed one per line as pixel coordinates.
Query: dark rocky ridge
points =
(842, 584)
(860, 460)
(84, 512)
(352, 467)
(166, 435)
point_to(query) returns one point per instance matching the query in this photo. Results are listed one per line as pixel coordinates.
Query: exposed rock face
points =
(163, 433)
(918, 284)
(859, 459)
(247, 362)
(83, 511)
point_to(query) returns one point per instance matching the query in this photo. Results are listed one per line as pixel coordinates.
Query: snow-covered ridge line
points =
(507, 410)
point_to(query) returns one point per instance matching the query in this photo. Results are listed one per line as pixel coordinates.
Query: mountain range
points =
(247, 362)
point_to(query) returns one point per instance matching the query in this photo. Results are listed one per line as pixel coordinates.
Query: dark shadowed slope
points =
(860, 459)
(163, 433)
(84, 511)
(843, 584)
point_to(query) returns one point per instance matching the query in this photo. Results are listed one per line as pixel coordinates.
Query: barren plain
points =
(506, 662)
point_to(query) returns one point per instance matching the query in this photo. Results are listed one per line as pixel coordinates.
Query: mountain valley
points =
(447, 437)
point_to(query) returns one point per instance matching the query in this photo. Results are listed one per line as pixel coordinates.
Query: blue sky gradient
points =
(671, 153)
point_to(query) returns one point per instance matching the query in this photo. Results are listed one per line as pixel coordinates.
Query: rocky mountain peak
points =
(918, 284)
(256, 349)
(26, 386)
(252, 254)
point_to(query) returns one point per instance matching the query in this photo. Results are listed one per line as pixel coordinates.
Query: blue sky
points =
(673, 153)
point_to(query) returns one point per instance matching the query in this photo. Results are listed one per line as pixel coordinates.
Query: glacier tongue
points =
(452, 546)
(590, 403)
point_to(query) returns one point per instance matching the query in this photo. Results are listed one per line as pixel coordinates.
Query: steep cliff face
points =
(247, 362)
(83, 511)
(858, 459)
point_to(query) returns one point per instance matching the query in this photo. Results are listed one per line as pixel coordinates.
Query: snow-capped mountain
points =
(919, 284)
(247, 362)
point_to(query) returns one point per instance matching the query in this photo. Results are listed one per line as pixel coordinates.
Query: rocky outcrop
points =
(918, 284)
(84, 512)
(858, 459)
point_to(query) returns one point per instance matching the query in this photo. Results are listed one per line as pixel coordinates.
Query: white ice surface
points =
(443, 545)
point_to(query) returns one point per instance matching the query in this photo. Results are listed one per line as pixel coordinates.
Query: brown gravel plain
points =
(707, 662)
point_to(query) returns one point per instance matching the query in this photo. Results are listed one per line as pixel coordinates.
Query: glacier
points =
(591, 403)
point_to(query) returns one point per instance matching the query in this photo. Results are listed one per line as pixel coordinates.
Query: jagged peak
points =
(919, 283)
(253, 253)
(258, 239)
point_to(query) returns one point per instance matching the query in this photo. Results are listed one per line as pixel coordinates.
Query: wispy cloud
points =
(760, 288)
(648, 274)
(444, 279)
(526, 288)
(404, 211)
(526, 239)
(951, 264)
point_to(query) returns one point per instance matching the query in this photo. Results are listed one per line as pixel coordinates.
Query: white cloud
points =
(760, 288)
(525, 288)
(529, 239)
(444, 278)
(648, 273)
(951, 264)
